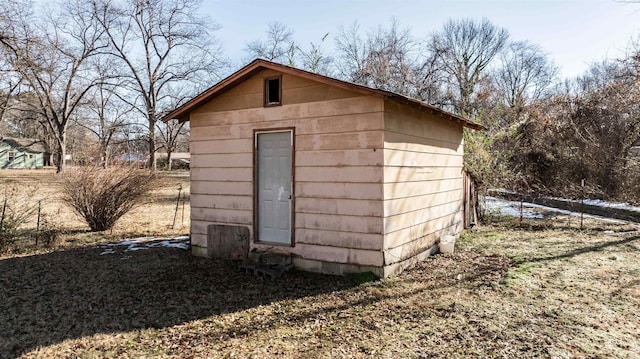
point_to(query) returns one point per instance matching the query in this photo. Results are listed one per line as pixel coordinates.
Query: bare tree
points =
(10, 86)
(390, 59)
(387, 59)
(428, 77)
(53, 62)
(351, 54)
(105, 115)
(172, 134)
(158, 45)
(10, 22)
(525, 73)
(278, 45)
(314, 59)
(466, 47)
(9, 80)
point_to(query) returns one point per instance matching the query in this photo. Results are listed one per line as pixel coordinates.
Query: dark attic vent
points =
(272, 91)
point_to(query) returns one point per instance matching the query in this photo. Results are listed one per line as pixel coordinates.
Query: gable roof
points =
(182, 113)
(25, 144)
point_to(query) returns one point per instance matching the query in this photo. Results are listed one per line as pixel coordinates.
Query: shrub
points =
(15, 210)
(102, 196)
(48, 233)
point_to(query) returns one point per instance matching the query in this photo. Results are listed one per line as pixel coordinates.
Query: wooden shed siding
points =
(410, 121)
(353, 207)
(340, 223)
(338, 166)
(340, 239)
(339, 141)
(222, 160)
(411, 189)
(410, 204)
(420, 230)
(339, 254)
(221, 175)
(221, 188)
(223, 201)
(420, 173)
(423, 180)
(222, 215)
(408, 219)
(401, 158)
(339, 158)
(361, 191)
(220, 146)
(412, 143)
(320, 108)
(327, 174)
(409, 248)
(307, 126)
(295, 90)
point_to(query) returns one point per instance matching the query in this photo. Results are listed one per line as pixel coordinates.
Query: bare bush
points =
(102, 196)
(15, 210)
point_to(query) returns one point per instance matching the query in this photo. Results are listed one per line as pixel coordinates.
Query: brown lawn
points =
(537, 289)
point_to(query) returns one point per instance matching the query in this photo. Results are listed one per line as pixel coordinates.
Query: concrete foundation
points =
(324, 267)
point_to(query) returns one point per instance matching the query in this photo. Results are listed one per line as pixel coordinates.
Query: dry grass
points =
(540, 289)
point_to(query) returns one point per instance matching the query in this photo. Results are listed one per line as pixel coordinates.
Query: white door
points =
(274, 181)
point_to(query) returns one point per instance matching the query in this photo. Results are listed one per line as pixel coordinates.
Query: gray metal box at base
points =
(229, 242)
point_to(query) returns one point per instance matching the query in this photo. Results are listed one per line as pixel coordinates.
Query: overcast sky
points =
(573, 32)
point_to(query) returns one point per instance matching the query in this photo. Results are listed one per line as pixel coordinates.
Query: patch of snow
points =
(133, 249)
(174, 244)
(142, 243)
(128, 242)
(601, 203)
(503, 207)
(531, 210)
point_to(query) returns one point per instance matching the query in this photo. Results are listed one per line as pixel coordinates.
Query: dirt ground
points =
(541, 288)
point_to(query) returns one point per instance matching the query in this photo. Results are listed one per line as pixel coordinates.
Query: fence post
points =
(38, 222)
(4, 208)
(175, 214)
(183, 201)
(582, 204)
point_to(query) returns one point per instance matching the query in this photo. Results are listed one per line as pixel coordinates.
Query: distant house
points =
(336, 176)
(16, 153)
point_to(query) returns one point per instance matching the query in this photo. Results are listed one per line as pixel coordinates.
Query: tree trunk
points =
(104, 154)
(62, 152)
(152, 143)
(168, 160)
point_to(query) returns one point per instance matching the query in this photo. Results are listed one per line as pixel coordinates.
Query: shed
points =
(338, 176)
(21, 153)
